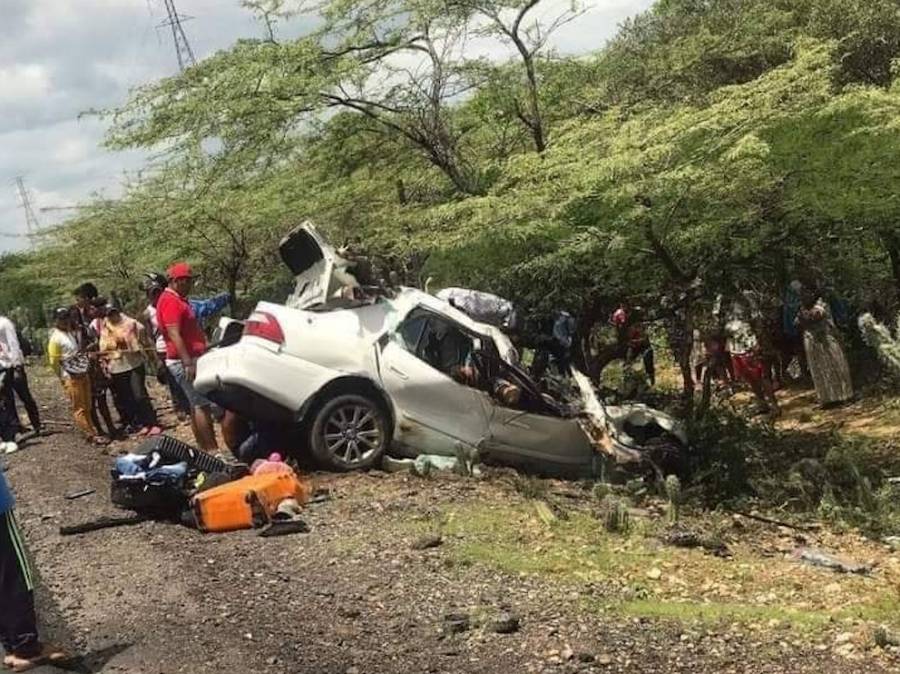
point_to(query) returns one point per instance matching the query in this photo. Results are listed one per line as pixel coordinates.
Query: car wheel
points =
(349, 432)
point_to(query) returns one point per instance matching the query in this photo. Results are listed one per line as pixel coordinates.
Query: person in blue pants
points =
(18, 621)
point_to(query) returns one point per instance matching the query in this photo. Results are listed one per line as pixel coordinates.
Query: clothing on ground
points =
(18, 622)
(173, 310)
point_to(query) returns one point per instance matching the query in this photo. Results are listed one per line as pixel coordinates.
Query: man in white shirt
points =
(12, 361)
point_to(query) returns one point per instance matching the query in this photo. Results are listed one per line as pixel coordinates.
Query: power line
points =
(182, 47)
(45, 209)
(31, 220)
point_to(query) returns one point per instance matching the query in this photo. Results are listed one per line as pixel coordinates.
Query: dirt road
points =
(355, 595)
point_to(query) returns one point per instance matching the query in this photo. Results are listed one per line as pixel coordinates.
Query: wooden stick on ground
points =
(777, 523)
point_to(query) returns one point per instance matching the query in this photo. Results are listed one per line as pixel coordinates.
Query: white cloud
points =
(59, 58)
(23, 82)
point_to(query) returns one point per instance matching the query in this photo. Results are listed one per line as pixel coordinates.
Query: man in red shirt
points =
(185, 343)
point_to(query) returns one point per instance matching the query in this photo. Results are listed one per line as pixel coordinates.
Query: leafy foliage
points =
(711, 147)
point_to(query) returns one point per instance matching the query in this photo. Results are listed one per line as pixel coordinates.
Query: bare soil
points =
(356, 595)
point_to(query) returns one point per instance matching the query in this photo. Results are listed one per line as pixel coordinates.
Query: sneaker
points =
(9, 447)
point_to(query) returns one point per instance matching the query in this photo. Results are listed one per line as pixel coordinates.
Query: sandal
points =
(47, 655)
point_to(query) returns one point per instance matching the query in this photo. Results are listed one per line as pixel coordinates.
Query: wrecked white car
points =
(406, 373)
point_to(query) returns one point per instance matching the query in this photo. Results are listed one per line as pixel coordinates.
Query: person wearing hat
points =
(185, 343)
(69, 361)
(154, 285)
(123, 343)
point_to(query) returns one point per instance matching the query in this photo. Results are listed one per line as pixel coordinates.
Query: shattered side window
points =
(445, 346)
(410, 330)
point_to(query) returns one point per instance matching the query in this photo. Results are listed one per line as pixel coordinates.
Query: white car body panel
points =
(432, 413)
(524, 439)
(252, 364)
(318, 280)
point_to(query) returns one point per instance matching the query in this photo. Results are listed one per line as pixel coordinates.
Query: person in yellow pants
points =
(71, 365)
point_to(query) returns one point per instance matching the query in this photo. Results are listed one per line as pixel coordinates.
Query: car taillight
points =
(265, 326)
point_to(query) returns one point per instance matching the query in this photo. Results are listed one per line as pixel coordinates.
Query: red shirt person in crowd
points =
(185, 343)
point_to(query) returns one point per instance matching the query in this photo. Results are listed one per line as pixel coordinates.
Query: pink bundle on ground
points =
(273, 465)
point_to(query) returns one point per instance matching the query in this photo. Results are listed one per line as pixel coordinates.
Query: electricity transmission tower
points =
(31, 220)
(182, 47)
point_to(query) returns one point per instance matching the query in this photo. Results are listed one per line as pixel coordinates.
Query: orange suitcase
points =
(247, 502)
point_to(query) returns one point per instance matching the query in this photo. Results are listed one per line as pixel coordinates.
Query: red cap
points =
(180, 270)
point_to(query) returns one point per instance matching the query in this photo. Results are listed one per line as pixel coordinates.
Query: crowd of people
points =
(97, 350)
(100, 353)
(739, 346)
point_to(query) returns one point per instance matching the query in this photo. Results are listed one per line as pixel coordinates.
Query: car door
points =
(535, 435)
(434, 413)
(537, 443)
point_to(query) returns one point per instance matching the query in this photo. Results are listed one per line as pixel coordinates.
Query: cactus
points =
(879, 337)
(601, 490)
(673, 491)
(617, 518)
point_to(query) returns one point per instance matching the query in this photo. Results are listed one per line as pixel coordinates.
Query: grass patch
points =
(641, 578)
(722, 612)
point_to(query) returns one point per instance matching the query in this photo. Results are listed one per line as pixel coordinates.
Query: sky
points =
(61, 58)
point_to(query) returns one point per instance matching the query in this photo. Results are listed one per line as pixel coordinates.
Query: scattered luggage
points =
(145, 484)
(167, 479)
(173, 449)
(247, 503)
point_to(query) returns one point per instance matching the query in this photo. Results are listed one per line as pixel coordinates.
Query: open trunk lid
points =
(319, 271)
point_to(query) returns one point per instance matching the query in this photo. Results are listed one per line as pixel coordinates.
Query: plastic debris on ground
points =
(816, 557)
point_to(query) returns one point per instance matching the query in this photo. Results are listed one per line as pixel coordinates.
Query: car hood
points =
(319, 271)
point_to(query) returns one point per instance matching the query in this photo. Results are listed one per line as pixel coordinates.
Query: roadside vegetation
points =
(746, 577)
(710, 147)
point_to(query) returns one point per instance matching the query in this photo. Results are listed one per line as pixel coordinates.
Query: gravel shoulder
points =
(356, 594)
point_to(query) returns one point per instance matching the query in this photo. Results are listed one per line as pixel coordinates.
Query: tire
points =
(349, 432)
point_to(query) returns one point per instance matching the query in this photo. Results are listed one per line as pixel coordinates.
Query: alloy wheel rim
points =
(352, 433)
